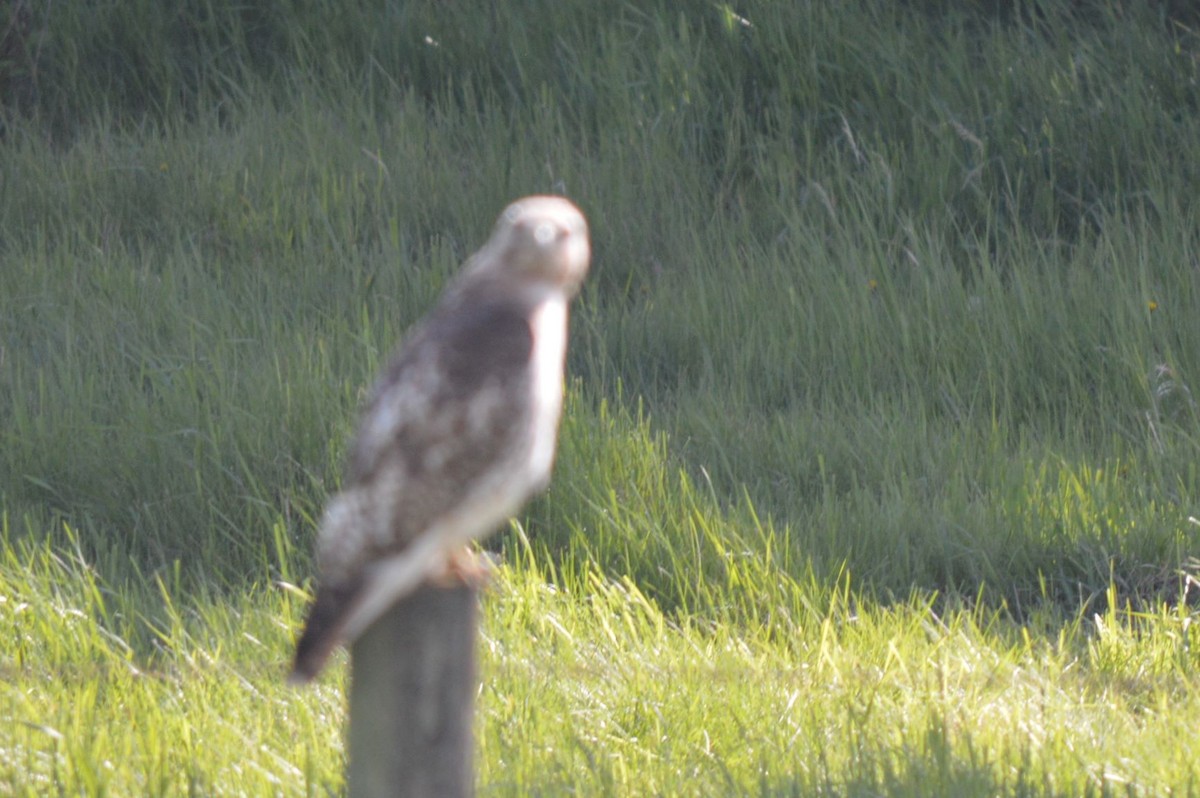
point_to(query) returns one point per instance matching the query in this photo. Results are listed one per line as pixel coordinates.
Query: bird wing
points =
(450, 416)
(449, 408)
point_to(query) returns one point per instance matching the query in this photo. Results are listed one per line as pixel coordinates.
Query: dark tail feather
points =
(323, 629)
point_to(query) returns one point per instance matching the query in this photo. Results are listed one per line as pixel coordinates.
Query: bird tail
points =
(393, 578)
(344, 610)
(323, 629)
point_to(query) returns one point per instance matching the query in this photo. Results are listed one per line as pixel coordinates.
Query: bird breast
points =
(549, 326)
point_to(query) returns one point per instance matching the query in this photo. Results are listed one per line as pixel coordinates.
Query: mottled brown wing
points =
(452, 406)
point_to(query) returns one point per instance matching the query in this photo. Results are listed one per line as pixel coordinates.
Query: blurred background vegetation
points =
(910, 287)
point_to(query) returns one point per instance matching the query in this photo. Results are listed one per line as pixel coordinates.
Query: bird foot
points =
(464, 567)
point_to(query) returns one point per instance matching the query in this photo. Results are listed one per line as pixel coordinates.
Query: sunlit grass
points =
(589, 687)
(137, 689)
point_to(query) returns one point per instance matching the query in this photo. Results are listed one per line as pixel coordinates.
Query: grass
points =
(590, 687)
(879, 464)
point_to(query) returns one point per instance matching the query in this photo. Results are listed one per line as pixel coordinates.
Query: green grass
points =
(880, 455)
(591, 688)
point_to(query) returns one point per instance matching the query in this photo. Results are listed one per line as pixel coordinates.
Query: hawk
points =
(460, 430)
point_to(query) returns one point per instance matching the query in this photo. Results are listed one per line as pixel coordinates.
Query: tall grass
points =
(881, 422)
(838, 254)
(591, 688)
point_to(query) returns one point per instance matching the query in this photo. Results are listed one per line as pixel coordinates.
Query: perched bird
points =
(459, 432)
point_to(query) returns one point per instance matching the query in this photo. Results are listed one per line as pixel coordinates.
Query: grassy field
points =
(881, 464)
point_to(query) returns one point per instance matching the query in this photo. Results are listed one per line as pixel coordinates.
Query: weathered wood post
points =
(412, 697)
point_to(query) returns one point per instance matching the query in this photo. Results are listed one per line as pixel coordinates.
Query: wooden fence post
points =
(412, 697)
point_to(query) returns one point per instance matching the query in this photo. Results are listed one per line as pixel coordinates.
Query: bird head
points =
(543, 239)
